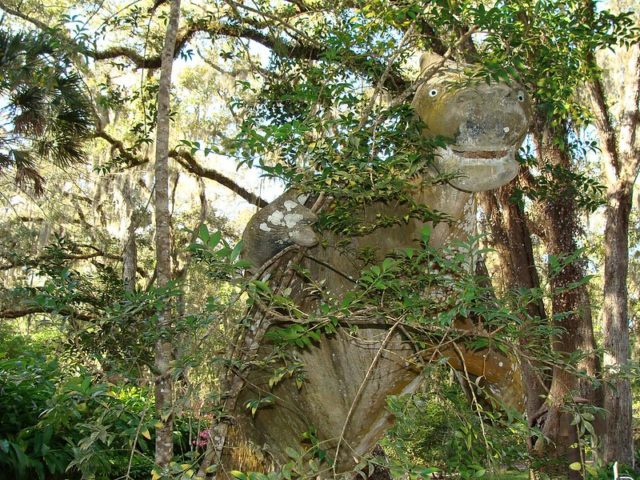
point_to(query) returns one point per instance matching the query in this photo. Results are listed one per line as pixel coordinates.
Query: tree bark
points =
(512, 240)
(570, 307)
(130, 250)
(618, 438)
(164, 348)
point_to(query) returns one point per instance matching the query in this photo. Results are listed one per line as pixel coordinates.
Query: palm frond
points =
(29, 107)
(49, 113)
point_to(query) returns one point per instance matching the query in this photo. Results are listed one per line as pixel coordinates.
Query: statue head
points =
(486, 124)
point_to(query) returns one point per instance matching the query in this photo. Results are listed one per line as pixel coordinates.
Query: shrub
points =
(58, 426)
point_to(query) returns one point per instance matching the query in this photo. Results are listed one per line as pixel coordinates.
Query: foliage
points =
(57, 425)
(27, 382)
(44, 100)
(548, 45)
(440, 427)
(222, 260)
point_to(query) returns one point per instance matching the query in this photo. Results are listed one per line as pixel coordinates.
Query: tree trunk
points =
(164, 349)
(617, 125)
(512, 240)
(618, 439)
(570, 307)
(130, 250)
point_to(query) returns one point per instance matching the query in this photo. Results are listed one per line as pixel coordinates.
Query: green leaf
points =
(576, 466)
(589, 427)
(214, 239)
(426, 233)
(203, 233)
(236, 251)
(292, 453)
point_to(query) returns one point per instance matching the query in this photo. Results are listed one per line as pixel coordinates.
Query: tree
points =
(620, 153)
(561, 116)
(164, 345)
(48, 113)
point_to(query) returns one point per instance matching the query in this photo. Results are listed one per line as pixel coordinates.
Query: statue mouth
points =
(480, 153)
(469, 156)
(477, 169)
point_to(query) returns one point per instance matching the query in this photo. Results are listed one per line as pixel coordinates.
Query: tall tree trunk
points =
(512, 240)
(130, 250)
(164, 348)
(618, 439)
(570, 307)
(617, 124)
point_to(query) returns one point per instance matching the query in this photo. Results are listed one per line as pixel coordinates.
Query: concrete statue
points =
(486, 125)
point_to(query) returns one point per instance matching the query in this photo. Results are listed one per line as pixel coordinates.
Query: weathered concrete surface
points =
(280, 224)
(487, 125)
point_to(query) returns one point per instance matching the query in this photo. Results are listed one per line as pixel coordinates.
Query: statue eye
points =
(521, 96)
(433, 92)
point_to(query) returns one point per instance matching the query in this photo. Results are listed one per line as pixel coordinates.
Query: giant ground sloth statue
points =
(487, 124)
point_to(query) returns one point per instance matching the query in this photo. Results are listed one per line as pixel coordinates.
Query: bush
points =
(27, 383)
(57, 426)
(438, 427)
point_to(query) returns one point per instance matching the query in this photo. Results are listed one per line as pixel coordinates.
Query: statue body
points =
(341, 387)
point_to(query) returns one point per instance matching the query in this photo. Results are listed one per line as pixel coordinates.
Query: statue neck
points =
(460, 206)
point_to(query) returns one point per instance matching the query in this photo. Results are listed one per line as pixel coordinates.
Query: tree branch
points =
(603, 122)
(132, 160)
(358, 62)
(17, 13)
(188, 162)
(191, 164)
(8, 314)
(37, 260)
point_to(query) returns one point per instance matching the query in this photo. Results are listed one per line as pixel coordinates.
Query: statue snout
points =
(498, 118)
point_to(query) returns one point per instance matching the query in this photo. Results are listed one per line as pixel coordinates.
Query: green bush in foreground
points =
(59, 426)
